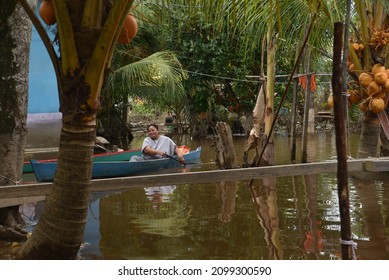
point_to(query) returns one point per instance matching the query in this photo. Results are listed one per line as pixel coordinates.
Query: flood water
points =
(289, 218)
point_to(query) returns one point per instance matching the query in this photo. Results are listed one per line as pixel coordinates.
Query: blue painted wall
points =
(43, 92)
(43, 118)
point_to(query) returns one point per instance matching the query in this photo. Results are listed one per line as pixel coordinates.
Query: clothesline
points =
(259, 79)
(295, 76)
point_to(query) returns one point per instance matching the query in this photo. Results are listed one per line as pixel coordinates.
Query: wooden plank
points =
(5, 202)
(240, 174)
(376, 165)
(44, 153)
(25, 190)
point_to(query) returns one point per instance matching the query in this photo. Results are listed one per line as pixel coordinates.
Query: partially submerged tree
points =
(87, 35)
(15, 34)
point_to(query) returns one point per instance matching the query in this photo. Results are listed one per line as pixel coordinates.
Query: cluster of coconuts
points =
(371, 92)
(374, 88)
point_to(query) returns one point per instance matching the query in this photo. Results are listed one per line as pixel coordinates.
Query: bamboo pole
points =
(293, 113)
(307, 97)
(344, 65)
(341, 148)
(304, 140)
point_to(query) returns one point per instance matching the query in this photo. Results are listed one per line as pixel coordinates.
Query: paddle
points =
(173, 158)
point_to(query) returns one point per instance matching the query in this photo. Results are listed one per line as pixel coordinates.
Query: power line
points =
(260, 79)
(223, 78)
(257, 81)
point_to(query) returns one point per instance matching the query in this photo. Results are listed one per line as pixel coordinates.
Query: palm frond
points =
(160, 72)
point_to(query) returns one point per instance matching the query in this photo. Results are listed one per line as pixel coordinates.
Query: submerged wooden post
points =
(293, 124)
(304, 140)
(341, 147)
(226, 157)
(293, 119)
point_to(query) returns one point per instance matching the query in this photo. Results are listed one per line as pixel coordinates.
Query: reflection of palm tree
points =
(314, 238)
(373, 225)
(226, 191)
(265, 198)
(298, 208)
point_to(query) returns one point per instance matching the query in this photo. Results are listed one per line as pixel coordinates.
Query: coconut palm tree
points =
(87, 35)
(368, 48)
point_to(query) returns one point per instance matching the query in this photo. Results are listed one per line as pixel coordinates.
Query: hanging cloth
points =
(303, 82)
(313, 83)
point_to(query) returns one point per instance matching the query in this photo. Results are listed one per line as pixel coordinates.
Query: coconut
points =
(377, 68)
(353, 96)
(355, 46)
(129, 30)
(361, 47)
(46, 12)
(351, 68)
(381, 78)
(377, 105)
(373, 88)
(365, 79)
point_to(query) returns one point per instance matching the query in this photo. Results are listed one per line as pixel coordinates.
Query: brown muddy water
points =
(290, 218)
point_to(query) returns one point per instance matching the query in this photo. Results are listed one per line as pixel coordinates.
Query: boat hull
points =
(110, 156)
(45, 171)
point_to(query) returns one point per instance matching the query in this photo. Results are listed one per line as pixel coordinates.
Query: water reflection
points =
(276, 218)
(264, 196)
(159, 194)
(293, 217)
(226, 193)
(373, 205)
(313, 243)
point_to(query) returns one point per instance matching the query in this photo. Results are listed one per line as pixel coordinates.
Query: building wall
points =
(43, 119)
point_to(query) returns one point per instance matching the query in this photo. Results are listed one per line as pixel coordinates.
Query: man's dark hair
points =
(152, 124)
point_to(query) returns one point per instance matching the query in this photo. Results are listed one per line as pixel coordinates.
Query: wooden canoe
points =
(108, 156)
(45, 170)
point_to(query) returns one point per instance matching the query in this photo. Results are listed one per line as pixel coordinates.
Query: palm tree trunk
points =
(85, 52)
(369, 137)
(59, 232)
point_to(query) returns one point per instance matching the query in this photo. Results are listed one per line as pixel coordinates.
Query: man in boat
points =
(157, 146)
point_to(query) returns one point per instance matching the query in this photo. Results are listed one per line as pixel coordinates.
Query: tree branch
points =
(45, 39)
